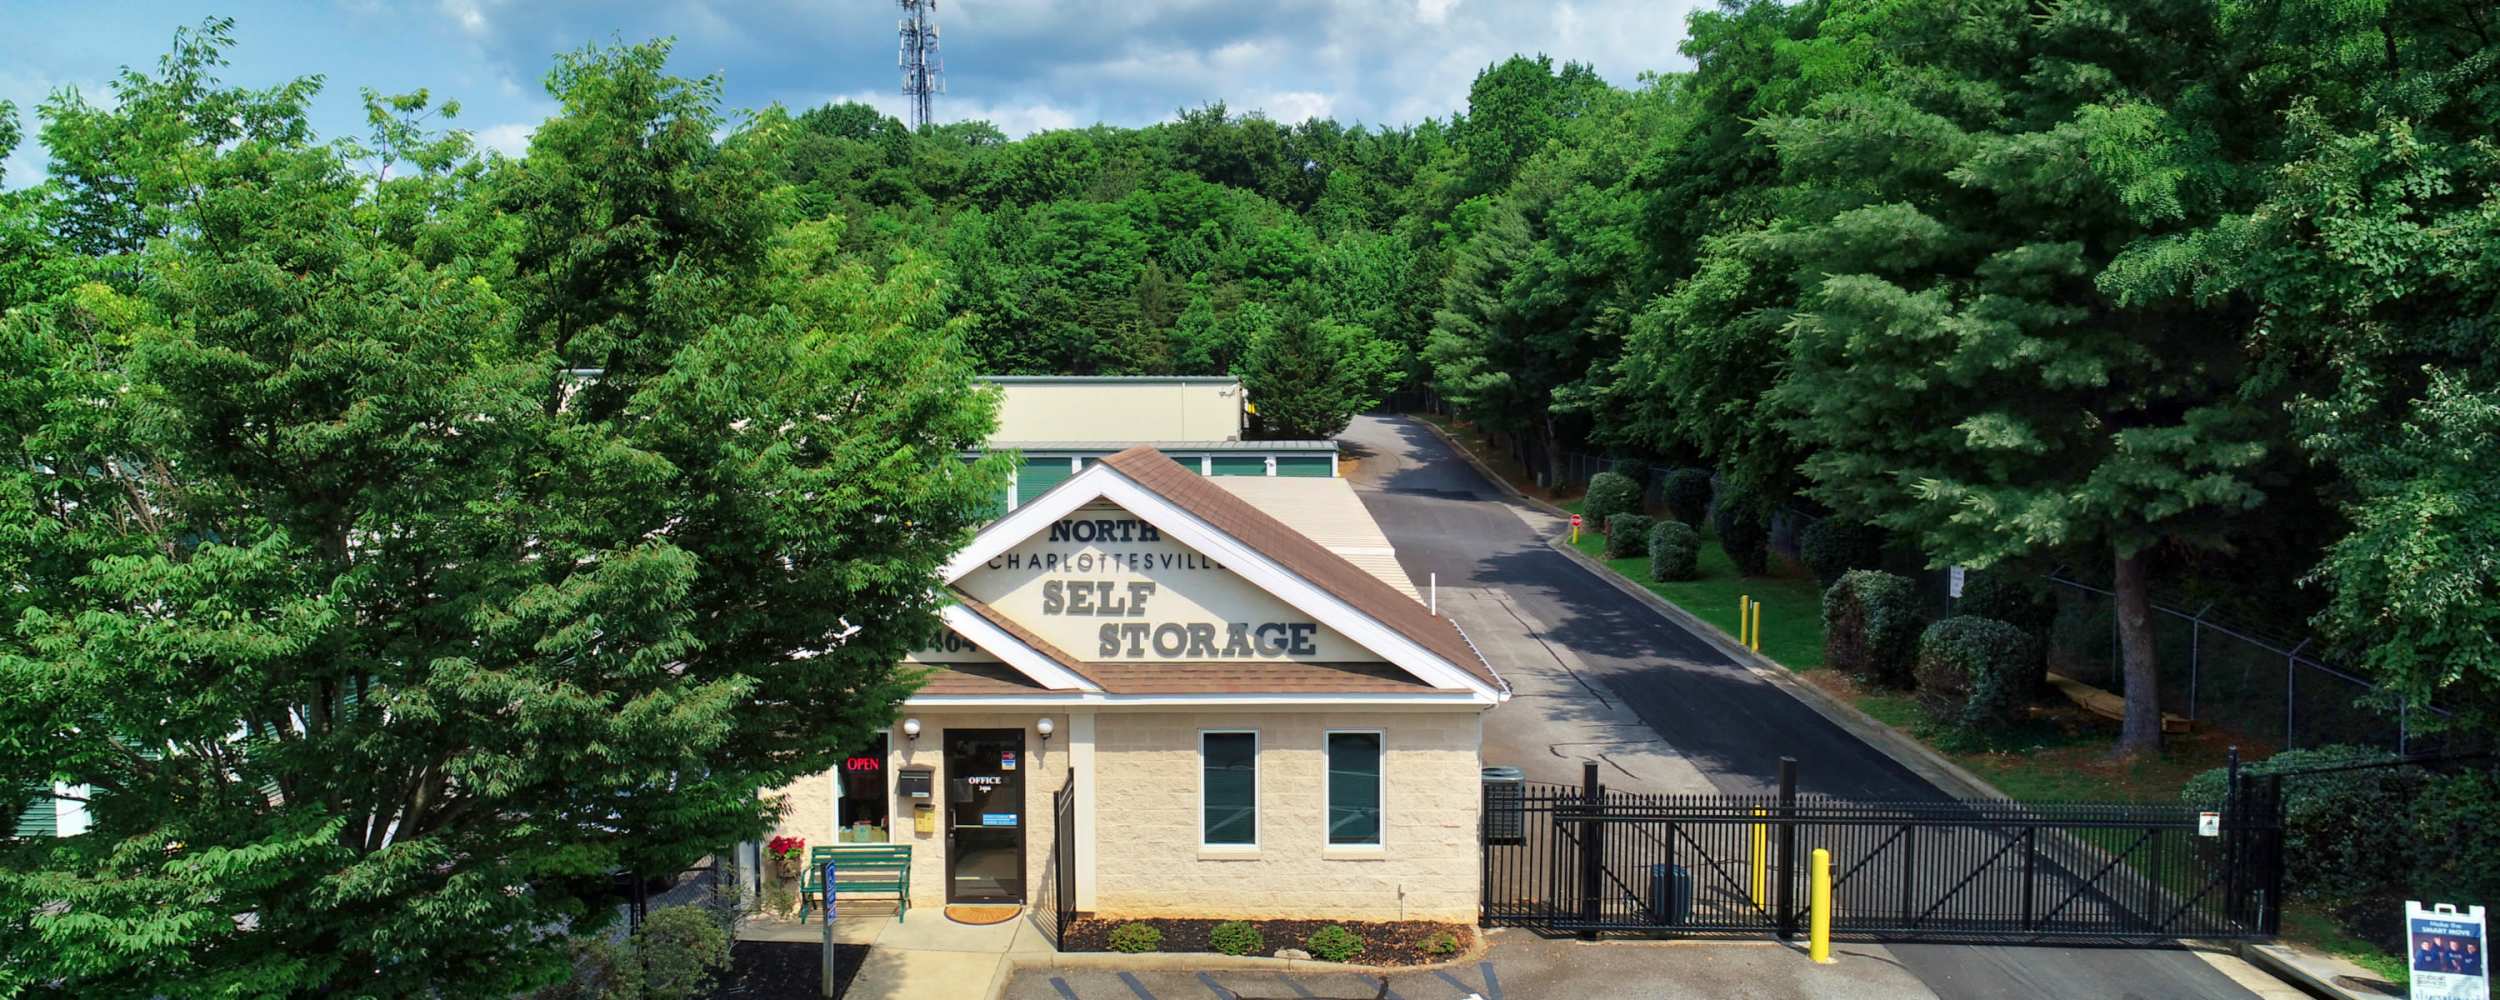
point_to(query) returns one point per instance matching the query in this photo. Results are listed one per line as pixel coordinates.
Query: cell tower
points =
(923, 74)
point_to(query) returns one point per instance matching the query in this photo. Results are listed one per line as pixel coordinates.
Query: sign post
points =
(833, 955)
(1575, 529)
(2447, 951)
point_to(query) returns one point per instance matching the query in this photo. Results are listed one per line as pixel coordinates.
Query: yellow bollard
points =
(1744, 615)
(1757, 627)
(1761, 860)
(1819, 940)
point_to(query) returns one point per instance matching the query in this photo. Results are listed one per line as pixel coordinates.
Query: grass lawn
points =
(1792, 605)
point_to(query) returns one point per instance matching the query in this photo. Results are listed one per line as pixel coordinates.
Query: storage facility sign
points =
(2447, 951)
(1104, 584)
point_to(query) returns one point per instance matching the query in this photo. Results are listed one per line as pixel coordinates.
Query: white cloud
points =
(509, 138)
(1293, 106)
(1433, 11)
(470, 15)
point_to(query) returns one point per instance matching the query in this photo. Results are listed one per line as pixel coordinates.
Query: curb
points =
(2266, 957)
(1207, 961)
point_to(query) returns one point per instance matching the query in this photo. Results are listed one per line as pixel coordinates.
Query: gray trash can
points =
(1670, 894)
(1505, 812)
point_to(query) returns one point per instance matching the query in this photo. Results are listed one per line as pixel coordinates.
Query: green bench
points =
(858, 868)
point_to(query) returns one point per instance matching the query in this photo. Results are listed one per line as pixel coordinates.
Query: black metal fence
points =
(1589, 861)
(1062, 894)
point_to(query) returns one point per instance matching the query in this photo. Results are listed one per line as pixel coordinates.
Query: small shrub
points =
(1135, 938)
(1674, 551)
(1835, 545)
(1687, 494)
(1237, 937)
(1974, 673)
(2456, 833)
(1610, 494)
(1442, 944)
(1870, 627)
(1633, 469)
(2342, 841)
(1627, 535)
(1743, 530)
(1334, 943)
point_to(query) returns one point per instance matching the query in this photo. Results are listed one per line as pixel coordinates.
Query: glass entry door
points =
(985, 815)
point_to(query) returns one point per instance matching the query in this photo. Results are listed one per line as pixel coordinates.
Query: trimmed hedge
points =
(1687, 494)
(1833, 546)
(1333, 943)
(2014, 602)
(1135, 938)
(1870, 627)
(2344, 839)
(1610, 494)
(1627, 535)
(1633, 469)
(2456, 837)
(1237, 937)
(1674, 551)
(1974, 674)
(1743, 530)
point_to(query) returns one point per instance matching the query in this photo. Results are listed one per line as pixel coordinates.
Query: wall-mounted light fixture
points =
(911, 729)
(1045, 727)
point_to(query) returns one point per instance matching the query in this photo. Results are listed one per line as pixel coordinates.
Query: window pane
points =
(1232, 788)
(1354, 788)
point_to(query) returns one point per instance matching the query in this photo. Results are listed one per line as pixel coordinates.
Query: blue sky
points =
(1026, 65)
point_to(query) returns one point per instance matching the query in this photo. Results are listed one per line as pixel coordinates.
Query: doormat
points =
(982, 916)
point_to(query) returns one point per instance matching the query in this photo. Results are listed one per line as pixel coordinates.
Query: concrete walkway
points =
(923, 955)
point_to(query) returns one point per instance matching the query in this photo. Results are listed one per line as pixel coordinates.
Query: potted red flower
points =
(785, 852)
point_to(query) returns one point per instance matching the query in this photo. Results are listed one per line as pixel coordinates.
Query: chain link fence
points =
(2267, 689)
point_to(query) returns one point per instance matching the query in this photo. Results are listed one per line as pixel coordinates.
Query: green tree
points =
(380, 640)
(1970, 369)
(1308, 377)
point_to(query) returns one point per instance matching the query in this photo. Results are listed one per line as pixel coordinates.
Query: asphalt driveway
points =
(1727, 724)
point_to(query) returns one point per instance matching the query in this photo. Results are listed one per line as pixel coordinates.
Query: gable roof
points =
(1303, 557)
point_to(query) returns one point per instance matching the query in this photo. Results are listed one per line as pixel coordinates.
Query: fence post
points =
(2291, 693)
(2270, 910)
(1592, 851)
(2031, 861)
(2232, 902)
(2196, 653)
(1787, 889)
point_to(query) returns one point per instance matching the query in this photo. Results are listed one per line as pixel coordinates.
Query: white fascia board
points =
(1367, 700)
(1106, 483)
(1025, 659)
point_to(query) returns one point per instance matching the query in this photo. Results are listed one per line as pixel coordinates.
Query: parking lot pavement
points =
(1522, 966)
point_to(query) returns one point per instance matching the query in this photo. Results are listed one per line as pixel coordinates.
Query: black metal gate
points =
(1062, 862)
(1591, 861)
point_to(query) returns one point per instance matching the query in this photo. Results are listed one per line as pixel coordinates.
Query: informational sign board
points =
(1575, 520)
(2448, 952)
(1953, 582)
(2209, 824)
(1006, 760)
(998, 819)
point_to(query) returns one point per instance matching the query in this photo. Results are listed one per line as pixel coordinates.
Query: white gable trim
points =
(1101, 481)
(1012, 651)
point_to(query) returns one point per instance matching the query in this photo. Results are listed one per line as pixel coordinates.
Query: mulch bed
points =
(783, 970)
(1397, 942)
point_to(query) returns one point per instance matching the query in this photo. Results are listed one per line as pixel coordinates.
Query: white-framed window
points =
(1355, 792)
(1228, 788)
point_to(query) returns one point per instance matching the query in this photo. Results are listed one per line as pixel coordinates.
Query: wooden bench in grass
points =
(2105, 704)
(858, 868)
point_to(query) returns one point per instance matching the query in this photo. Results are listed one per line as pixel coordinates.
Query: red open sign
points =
(864, 764)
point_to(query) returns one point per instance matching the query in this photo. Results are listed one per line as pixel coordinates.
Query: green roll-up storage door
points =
(1037, 475)
(1240, 465)
(1304, 465)
(38, 820)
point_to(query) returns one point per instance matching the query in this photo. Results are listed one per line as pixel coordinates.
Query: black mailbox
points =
(913, 783)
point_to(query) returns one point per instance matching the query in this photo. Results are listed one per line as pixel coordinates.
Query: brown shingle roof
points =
(1301, 556)
(978, 678)
(1038, 643)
